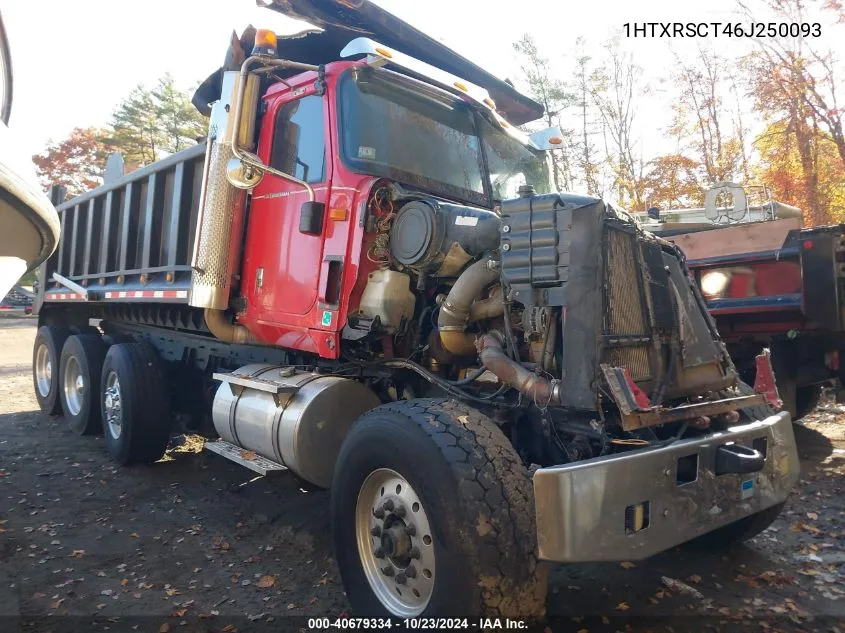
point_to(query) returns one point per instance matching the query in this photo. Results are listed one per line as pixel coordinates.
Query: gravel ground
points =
(191, 544)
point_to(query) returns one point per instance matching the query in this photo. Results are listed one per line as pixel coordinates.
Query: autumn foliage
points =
(76, 163)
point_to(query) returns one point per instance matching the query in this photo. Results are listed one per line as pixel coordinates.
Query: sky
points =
(74, 61)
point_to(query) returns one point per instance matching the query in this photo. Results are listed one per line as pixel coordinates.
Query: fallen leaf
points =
(77, 553)
(136, 535)
(695, 578)
(627, 565)
(813, 516)
(293, 606)
(124, 582)
(164, 628)
(266, 582)
(172, 592)
(101, 605)
(249, 456)
(207, 616)
(230, 628)
(622, 606)
(218, 542)
(178, 613)
(37, 595)
(56, 604)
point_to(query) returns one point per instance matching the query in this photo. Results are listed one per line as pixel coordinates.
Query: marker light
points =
(384, 52)
(266, 43)
(555, 140)
(461, 87)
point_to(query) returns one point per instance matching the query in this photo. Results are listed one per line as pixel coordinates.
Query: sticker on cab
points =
(746, 489)
(366, 152)
(327, 318)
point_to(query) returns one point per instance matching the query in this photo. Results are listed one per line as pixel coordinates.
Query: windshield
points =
(428, 139)
(511, 163)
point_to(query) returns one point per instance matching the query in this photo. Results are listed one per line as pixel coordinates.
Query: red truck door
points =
(282, 263)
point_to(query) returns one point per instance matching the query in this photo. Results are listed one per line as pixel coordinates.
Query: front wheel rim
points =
(394, 541)
(113, 405)
(43, 370)
(74, 386)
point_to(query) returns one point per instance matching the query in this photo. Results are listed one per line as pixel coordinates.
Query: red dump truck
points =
(769, 283)
(364, 279)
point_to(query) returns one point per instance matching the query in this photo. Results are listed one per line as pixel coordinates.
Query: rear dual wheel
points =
(81, 365)
(45, 367)
(135, 404)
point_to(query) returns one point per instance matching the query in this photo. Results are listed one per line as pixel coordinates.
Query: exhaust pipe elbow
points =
(228, 332)
(541, 390)
(456, 311)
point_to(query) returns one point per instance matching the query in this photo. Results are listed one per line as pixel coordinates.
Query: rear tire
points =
(469, 502)
(81, 366)
(134, 404)
(46, 355)
(738, 531)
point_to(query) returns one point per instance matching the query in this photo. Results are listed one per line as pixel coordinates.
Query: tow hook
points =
(738, 459)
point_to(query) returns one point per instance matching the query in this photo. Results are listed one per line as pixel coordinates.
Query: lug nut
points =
(378, 513)
(379, 553)
(388, 506)
(400, 578)
(411, 529)
(415, 553)
(400, 511)
(376, 531)
(411, 572)
(387, 571)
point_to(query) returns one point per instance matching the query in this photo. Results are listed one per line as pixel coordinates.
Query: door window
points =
(299, 139)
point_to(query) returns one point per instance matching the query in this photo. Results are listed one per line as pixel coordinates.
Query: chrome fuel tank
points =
(298, 419)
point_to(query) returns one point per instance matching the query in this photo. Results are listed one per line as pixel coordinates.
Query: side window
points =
(299, 139)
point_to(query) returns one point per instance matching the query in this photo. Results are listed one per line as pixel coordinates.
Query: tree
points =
(150, 122)
(781, 168)
(555, 97)
(179, 121)
(589, 164)
(77, 162)
(671, 182)
(702, 110)
(614, 87)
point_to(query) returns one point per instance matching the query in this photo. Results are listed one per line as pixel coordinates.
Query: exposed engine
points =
(488, 304)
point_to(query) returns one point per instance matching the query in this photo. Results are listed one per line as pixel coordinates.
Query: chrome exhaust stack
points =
(221, 209)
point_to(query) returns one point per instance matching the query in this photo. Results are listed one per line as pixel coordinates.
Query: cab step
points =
(245, 458)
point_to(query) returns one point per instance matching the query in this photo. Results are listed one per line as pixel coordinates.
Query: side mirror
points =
(551, 138)
(243, 176)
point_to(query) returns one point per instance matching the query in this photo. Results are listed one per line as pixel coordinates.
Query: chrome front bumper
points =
(630, 506)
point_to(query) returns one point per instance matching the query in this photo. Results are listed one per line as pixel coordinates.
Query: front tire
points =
(46, 353)
(81, 366)
(433, 514)
(134, 404)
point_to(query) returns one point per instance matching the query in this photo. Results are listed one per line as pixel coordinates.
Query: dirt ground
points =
(191, 544)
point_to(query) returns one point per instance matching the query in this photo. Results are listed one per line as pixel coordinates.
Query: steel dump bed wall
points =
(131, 240)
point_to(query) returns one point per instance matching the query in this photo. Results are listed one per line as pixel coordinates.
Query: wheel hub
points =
(394, 543)
(43, 371)
(74, 385)
(113, 405)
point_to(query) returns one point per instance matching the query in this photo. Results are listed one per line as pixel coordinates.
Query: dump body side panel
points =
(130, 240)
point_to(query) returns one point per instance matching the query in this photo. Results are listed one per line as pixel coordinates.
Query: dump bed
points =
(130, 240)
